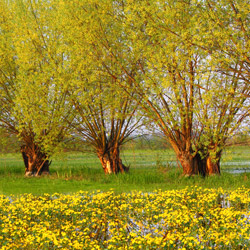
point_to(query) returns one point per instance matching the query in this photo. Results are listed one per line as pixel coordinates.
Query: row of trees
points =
(99, 70)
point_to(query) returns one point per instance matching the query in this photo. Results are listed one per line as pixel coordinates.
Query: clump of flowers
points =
(185, 219)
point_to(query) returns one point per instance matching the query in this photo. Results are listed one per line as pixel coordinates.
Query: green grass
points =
(149, 170)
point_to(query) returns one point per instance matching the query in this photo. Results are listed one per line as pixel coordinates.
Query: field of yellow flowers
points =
(192, 218)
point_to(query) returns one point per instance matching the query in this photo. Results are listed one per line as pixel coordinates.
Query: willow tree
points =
(224, 35)
(106, 117)
(206, 117)
(105, 120)
(33, 73)
(176, 79)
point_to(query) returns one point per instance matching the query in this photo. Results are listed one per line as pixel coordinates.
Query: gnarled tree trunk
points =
(111, 161)
(191, 165)
(197, 165)
(36, 162)
(213, 163)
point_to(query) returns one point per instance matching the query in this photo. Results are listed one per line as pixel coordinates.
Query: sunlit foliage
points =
(184, 63)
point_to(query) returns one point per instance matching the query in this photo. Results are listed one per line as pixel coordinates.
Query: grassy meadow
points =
(149, 170)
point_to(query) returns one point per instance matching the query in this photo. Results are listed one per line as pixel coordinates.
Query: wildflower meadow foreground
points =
(192, 218)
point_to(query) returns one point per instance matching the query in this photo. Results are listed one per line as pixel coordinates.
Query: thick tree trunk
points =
(189, 164)
(213, 165)
(36, 162)
(111, 161)
(196, 165)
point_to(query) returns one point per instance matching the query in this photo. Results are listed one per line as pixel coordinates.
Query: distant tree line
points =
(11, 144)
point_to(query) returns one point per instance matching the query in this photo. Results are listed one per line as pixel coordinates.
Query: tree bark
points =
(111, 161)
(36, 162)
(197, 165)
(213, 164)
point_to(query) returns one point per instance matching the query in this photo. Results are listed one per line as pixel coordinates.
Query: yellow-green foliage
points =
(34, 72)
(173, 54)
(186, 219)
(186, 63)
